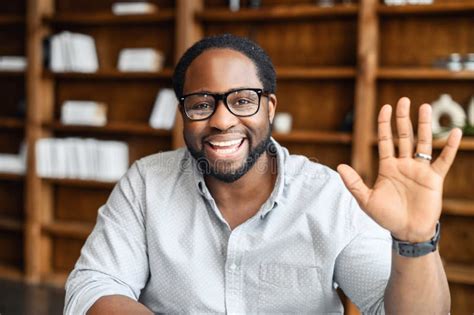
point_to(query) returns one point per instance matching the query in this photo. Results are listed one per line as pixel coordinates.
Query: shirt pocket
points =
(285, 288)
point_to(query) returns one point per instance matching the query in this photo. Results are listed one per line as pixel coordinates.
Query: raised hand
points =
(407, 196)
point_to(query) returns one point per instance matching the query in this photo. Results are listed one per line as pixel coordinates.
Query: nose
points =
(223, 119)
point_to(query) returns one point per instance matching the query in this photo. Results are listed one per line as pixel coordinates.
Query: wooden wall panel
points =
(65, 253)
(461, 298)
(316, 104)
(456, 235)
(11, 196)
(11, 253)
(12, 91)
(317, 42)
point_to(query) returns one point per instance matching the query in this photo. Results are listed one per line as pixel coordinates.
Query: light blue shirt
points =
(161, 239)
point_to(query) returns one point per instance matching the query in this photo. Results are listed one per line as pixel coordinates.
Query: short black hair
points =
(263, 63)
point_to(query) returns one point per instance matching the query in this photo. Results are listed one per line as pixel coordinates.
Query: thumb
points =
(354, 184)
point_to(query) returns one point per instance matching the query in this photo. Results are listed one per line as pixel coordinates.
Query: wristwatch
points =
(408, 249)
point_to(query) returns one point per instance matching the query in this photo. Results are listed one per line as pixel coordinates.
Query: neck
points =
(240, 200)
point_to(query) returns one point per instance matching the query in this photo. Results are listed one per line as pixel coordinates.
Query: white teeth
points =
(225, 143)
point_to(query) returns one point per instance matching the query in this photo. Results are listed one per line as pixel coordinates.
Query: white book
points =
(13, 63)
(124, 8)
(88, 113)
(58, 63)
(83, 53)
(61, 158)
(113, 160)
(140, 59)
(164, 110)
(11, 163)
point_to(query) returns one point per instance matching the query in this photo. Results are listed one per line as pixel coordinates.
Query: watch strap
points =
(408, 249)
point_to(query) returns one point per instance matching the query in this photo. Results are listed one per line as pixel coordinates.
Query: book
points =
(125, 8)
(13, 63)
(164, 110)
(73, 52)
(140, 59)
(87, 113)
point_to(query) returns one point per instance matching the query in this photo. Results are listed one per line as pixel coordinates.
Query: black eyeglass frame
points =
(223, 96)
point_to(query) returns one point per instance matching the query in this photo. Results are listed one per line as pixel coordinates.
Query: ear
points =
(272, 104)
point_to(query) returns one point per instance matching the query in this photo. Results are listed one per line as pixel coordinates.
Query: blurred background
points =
(85, 91)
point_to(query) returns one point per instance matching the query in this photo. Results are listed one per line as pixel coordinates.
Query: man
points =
(235, 224)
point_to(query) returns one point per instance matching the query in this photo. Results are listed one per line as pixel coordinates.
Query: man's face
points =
(228, 144)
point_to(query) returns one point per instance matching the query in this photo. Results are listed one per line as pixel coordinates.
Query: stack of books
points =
(140, 59)
(128, 8)
(73, 52)
(86, 113)
(164, 110)
(80, 158)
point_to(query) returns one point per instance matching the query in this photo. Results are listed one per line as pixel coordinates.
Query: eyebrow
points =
(231, 90)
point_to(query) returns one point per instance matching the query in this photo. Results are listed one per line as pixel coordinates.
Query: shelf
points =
(68, 229)
(55, 279)
(423, 74)
(166, 73)
(276, 13)
(11, 19)
(316, 73)
(11, 123)
(11, 225)
(10, 272)
(80, 183)
(462, 207)
(431, 9)
(12, 177)
(108, 18)
(460, 273)
(112, 128)
(302, 136)
(467, 143)
(12, 74)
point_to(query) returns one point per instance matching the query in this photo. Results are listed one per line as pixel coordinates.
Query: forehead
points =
(219, 70)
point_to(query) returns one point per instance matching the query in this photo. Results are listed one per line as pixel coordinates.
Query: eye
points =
(201, 106)
(242, 101)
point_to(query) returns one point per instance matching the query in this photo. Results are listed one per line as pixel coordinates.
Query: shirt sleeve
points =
(114, 259)
(363, 267)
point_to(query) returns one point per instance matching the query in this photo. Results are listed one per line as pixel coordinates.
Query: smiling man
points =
(235, 224)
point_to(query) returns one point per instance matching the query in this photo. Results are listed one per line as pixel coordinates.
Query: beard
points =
(226, 174)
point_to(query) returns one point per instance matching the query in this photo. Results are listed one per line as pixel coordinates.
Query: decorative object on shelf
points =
(87, 113)
(164, 110)
(405, 2)
(325, 3)
(348, 122)
(469, 62)
(445, 106)
(255, 3)
(140, 60)
(469, 128)
(454, 62)
(234, 5)
(13, 63)
(129, 8)
(282, 122)
(81, 158)
(73, 52)
(14, 163)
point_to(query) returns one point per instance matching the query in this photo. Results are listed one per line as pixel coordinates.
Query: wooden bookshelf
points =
(11, 20)
(442, 8)
(108, 18)
(460, 273)
(330, 61)
(112, 128)
(423, 74)
(314, 137)
(461, 207)
(166, 73)
(324, 73)
(278, 13)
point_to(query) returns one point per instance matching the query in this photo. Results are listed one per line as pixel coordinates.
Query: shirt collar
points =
(276, 196)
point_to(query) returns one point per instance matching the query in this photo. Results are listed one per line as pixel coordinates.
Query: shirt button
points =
(233, 267)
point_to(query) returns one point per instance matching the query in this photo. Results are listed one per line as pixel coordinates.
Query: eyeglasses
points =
(240, 102)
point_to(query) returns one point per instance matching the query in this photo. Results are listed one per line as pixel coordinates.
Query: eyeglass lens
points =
(240, 103)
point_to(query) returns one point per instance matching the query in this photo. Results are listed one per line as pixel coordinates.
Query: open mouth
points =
(225, 148)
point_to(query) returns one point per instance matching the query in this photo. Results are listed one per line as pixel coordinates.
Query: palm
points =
(407, 196)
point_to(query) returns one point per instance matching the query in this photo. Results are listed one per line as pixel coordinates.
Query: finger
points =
(385, 139)
(404, 128)
(424, 143)
(354, 184)
(446, 158)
